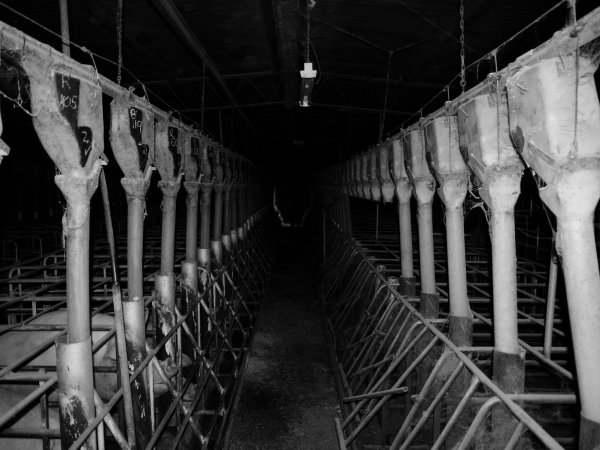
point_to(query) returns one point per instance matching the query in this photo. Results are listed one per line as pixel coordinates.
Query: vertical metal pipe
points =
(169, 190)
(165, 280)
(216, 243)
(460, 318)
(77, 229)
(118, 309)
(135, 336)
(426, 261)
(429, 298)
(419, 172)
(110, 236)
(78, 265)
(135, 189)
(205, 204)
(226, 237)
(191, 231)
(241, 210)
(189, 267)
(64, 27)
(406, 257)
(457, 273)
(233, 212)
(504, 266)
(74, 367)
(555, 124)
(550, 302)
(501, 193)
(123, 366)
(582, 280)
(377, 221)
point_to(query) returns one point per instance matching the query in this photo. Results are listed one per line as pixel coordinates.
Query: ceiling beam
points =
(341, 108)
(181, 28)
(343, 76)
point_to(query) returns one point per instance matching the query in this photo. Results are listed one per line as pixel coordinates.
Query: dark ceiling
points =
(255, 49)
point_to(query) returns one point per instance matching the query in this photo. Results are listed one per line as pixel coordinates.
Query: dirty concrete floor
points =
(288, 398)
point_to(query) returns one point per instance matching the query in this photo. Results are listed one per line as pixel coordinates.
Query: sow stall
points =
(486, 358)
(158, 361)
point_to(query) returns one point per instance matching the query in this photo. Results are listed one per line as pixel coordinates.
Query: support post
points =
(132, 142)
(241, 189)
(189, 267)
(73, 351)
(233, 208)
(135, 336)
(403, 194)
(168, 157)
(76, 227)
(356, 181)
(424, 190)
(135, 189)
(364, 176)
(227, 182)
(165, 279)
(384, 174)
(555, 125)
(69, 125)
(74, 366)
(218, 186)
(485, 143)
(452, 175)
(205, 201)
(373, 171)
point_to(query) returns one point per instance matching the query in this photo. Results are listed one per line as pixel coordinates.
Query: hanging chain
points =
(307, 56)
(385, 98)
(203, 89)
(463, 81)
(119, 39)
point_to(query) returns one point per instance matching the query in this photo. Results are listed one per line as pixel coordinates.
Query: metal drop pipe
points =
(226, 237)
(241, 210)
(550, 302)
(426, 261)
(218, 213)
(168, 206)
(582, 280)
(504, 267)
(234, 216)
(135, 190)
(457, 273)
(77, 230)
(406, 257)
(205, 204)
(191, 229)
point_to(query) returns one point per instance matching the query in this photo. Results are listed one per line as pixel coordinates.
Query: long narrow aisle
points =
(288, 399)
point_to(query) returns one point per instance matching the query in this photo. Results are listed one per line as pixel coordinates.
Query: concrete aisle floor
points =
(288, 398)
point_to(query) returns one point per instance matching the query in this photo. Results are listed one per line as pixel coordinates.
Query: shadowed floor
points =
(288, 398)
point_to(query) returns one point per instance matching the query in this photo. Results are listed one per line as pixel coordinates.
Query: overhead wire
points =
(385, 98)
(487, 56)
(574, 19)
(94, 56)
(119, 39)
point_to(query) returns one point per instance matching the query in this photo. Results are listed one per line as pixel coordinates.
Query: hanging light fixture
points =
(307, 75)
(308, 80)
